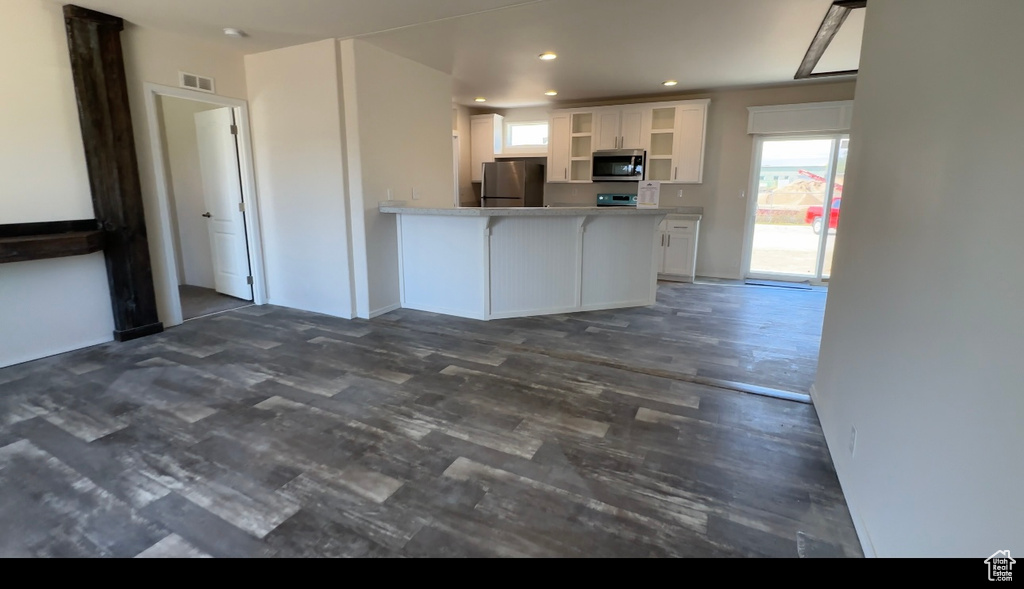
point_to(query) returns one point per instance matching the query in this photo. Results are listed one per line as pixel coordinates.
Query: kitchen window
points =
(527, 134)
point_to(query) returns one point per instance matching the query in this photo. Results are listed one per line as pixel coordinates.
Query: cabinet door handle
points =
(669, 240)
(675, 175)
(566, 173)
(662, 240)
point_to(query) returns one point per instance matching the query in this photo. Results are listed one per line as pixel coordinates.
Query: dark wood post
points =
(97, 65)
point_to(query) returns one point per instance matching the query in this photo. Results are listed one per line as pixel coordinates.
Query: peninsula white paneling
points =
(533, 265)
(449, 276)
(502, 263)
(615, 242)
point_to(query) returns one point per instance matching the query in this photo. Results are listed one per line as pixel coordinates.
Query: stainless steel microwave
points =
(619, 165)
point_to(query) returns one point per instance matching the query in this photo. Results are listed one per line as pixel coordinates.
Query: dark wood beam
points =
(834, 19)
(47, 228)
(43, 247)
(97, 67)
(833, 74)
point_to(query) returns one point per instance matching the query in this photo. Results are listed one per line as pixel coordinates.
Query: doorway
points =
(793, 221)
(207, 206)
(206, 191)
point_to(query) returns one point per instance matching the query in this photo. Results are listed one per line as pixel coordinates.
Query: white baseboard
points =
(534, 312)
(443, 311)
(858, 523)
(622, 305)
(573, 309)
(385, 310)
(56, 351)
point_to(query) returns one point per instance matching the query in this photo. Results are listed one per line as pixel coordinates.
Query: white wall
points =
(46, 306)
(925, 327)
(467, 196)
(727, 164)
(299, 157)
(398, 118)
(181, 148)
(156, 56)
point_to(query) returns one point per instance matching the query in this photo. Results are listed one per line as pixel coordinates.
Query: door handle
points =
(208, 215)
(567, 173)
(669, 240)
(662, 240)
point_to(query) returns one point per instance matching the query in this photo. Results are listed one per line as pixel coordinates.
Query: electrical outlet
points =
(574, 191)
(391, 196)
(680, 193)
(415, 193)
(853, 441)
(743, 194)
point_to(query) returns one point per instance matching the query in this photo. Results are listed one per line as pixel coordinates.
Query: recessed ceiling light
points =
(548, 56)
(233, 32)
(669, 83)
(481, 99)
(551, 93)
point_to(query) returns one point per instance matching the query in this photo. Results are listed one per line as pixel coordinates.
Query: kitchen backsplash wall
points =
(586, 194)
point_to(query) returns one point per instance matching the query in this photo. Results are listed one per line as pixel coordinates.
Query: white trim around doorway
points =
(249, 194)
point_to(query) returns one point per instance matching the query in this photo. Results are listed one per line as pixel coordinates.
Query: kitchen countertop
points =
(402, 208)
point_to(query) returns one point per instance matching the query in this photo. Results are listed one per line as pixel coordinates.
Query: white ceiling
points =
(607, 48)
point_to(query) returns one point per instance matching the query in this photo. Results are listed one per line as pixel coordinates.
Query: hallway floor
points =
(197, 301)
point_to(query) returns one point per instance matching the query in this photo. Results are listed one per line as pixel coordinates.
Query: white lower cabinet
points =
(678, 255)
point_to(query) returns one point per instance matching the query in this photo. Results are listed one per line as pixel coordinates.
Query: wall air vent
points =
(194, 82)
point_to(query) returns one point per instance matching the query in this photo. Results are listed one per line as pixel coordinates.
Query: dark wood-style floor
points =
(197, 301)
(270, 432)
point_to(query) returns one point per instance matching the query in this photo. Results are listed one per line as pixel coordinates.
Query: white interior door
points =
(222, 192)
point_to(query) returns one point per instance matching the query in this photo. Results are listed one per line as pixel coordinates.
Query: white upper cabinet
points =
(571, 138)
(559, 144)
(691, 129)
(633, 133)
(620, 128)
(486, 141)
(675, 152)
(672, 133)
(608, 126)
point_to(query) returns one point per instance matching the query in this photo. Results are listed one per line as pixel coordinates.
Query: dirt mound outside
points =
(800, 193)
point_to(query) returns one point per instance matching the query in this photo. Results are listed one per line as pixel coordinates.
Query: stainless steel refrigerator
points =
(512, 184)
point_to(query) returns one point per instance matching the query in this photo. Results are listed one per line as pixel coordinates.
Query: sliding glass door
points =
(792, 228)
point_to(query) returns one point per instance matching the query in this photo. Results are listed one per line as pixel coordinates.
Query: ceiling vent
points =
(194, 82)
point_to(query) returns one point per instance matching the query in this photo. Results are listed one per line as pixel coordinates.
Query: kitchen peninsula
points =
(497, 263)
